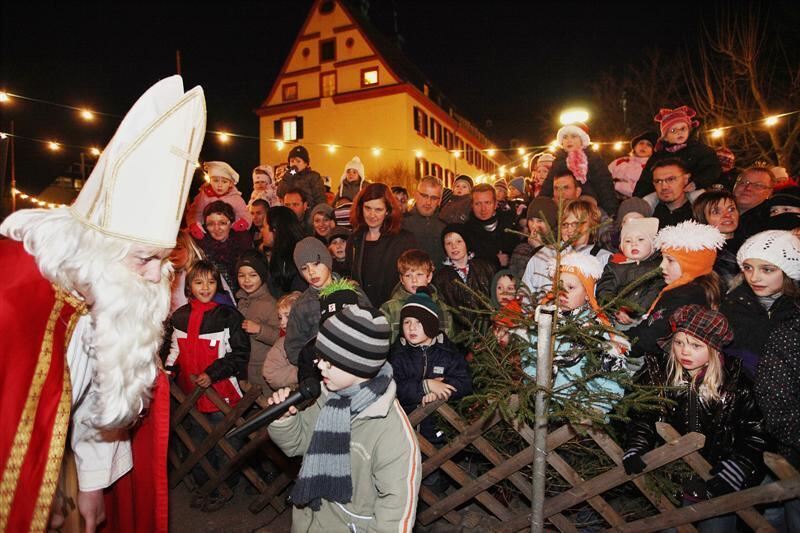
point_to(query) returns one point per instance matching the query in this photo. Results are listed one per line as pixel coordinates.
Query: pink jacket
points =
(625, 172)
(206, 195)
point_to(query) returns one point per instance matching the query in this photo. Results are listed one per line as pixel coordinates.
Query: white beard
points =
(127, 311)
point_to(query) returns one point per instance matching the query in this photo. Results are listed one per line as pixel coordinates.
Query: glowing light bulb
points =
(418, 154)
(376, 151)
(490, 152)
(570, 116)
(94, 151)
(512, 169)
(716, 133)
(87, 115)
(771, 121)
(617, 146)
(279, 145)
(596, 147)
(3, 135)
(223, 137)
(54, 146)
(521, 151)
(4, 97)
(456, 153)
(331, 148)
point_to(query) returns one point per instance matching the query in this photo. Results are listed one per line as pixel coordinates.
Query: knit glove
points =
(240, 225)
(633, 463)
(728, 477)
(197, 231)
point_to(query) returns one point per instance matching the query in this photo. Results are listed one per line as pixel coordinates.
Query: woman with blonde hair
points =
(183, 257)
(709, 394)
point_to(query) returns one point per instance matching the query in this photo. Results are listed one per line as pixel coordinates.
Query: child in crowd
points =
(416, 270)
(258, 307)
(264, 187)
(221, 185)
(709, 394)
(504, 288)
(575, 156)
(208, 348)
(462, 267)
(677, 141)
(626, 170)
(277, 371)
(541, 219)
(427, 366)
(688, 251)
(322, 221)
(337, 246)
(185, 254)
(314, 263)
(353, 180)
(764, 295)
(578, 275)
(641, 257)
(579, 227)
(361, 460)
(299, 175)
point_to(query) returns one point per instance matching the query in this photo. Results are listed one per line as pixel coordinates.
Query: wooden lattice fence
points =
(489, 488)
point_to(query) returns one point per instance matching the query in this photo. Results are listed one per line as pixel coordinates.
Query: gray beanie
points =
(311, 250)
(356, 340)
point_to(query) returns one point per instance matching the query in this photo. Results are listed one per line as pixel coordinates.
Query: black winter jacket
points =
(599, 183)
(309, 181)
(414, 364)
(618, 276)
(701, 161)
(486, 244)
(778, 387)
(644, 336)
(446, 280)
(733, 425)
(752, 324)
(378, 275)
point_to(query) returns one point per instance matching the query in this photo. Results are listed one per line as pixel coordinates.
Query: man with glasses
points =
(670, 178)
(752, 189)
(422, 220)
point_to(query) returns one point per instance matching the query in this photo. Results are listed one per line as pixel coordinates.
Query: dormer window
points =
(369, 77)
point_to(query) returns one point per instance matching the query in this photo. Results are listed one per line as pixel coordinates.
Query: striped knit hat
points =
(356, 340)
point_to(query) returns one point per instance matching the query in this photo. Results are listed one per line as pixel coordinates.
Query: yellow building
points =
(344, 90)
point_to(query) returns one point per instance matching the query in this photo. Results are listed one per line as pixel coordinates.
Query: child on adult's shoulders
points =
(637, 244)
(222, 180)
(416, 270)
(427, 366)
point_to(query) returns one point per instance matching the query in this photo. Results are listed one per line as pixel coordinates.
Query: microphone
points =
(309, 389)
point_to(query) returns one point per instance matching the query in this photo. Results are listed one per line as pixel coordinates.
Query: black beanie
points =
(301, 152)
(462, 230)
(254, 260)
(422, 307)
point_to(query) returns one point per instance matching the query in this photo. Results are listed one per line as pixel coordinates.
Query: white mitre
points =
(138, 189)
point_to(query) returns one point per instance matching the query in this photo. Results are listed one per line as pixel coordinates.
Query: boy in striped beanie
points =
(361, 459)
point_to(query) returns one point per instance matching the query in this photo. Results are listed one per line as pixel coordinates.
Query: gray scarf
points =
(326, 465)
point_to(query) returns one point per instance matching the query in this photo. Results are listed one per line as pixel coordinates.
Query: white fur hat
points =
(578, 128)
(263, 174)
(151, 159)
(221, 168)
(690, 236)
(781, 248)
(586, 265)
(356, 164)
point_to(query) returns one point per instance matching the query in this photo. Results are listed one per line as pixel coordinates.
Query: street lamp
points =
(571, 116)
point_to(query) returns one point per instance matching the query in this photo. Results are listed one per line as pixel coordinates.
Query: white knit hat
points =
(585, 264)
(221, 168)
(781, 248)
(643, 226)
(151, 159)
(578, 128)
(356, 164)
(263, 174)
(690, 236)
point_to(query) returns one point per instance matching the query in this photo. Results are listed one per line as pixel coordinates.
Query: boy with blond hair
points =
(416, 270)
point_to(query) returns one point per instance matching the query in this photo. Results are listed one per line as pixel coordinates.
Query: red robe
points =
(36, 322)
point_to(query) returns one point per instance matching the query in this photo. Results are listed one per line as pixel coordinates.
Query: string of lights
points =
(226, 136)
(34, 199)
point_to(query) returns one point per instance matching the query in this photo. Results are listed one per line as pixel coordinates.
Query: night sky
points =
(502, 62)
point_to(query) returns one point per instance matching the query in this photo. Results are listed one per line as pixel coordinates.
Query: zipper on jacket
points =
(692, 407)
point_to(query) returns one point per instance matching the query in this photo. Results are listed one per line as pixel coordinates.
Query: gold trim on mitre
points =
(141, 182)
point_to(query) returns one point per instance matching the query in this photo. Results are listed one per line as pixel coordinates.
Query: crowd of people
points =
(689, 265)
(713, 324)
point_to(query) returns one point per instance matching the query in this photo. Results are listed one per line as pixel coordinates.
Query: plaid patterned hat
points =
(702, 323)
